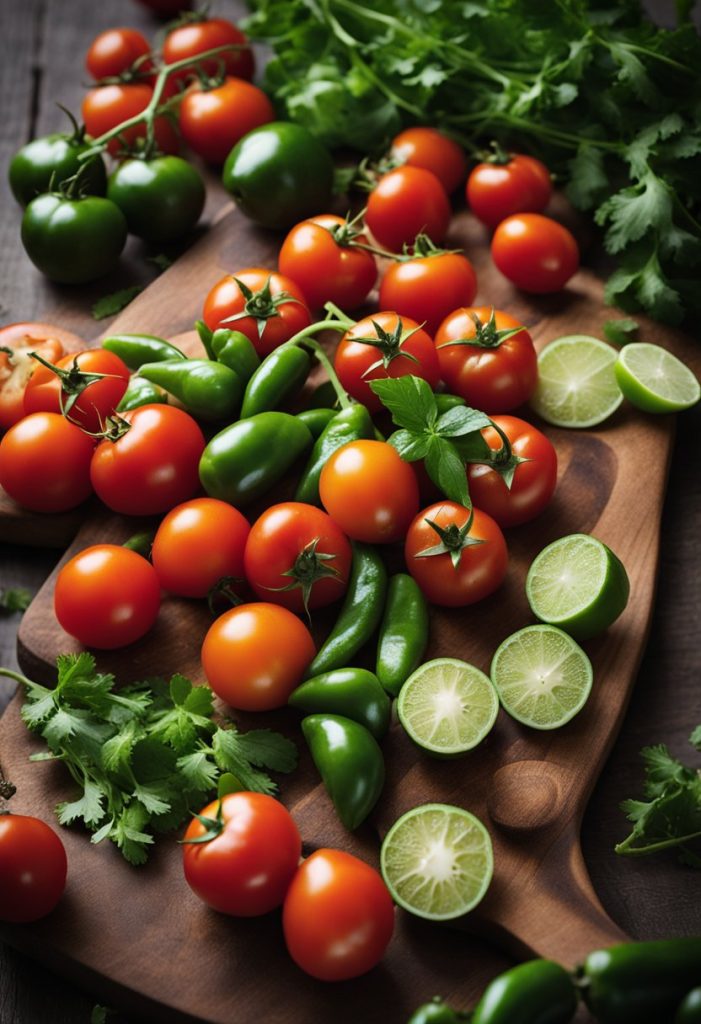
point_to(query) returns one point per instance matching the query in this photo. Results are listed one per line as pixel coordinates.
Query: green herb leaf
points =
(110, 305)
(410, 446)
(410, 401)
(15, 599)
(621, 332)
(461, 420)
(447, 470)
(268, 749)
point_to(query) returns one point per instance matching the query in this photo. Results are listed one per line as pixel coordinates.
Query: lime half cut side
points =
(578, 584)
(577, 384)
(654, 380)
(437, 861)
(542, 676)
(447, 706)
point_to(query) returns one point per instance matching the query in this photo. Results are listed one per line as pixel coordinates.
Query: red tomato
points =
(45, 463)
(435, 152)
(198, 544)
(114, 51)
(354, 357)
(318, 254)
(154, 466)
(107, 106)
(536, 253)
(496, 190)
(46, 391)
(255, 655)
(338, 916)
(482, 566)
(283, 310)
(369, 491)
(194, 38)
(534, 481)
(405, 203)
(489, 373)
(428, 288)
(297, 546)
(17, 367)
(33, 867)
(247, 867)
(107, 596)
(213, 120)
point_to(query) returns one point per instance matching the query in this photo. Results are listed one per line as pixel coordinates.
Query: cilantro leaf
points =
(621, 332)
(110, 305)
(695, 738)
(268, 749)
(636, 210)
(88, 807)
(230, 758)
(15, 599)
(198, 771)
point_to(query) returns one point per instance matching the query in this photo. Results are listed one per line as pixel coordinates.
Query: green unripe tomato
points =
(279, 174)
(73, 240)
(56, 157)
(162, 199)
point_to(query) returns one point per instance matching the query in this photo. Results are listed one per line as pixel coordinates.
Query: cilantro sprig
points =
(144, 757)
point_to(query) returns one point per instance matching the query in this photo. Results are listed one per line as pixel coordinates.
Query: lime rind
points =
(577, 384)
(437, 861)
(654, 380)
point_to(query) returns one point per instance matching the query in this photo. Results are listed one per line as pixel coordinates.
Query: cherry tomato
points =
(481, 568)
(369, 491)
(435, 152)
(428, 288)
(46, 391)
(536, 253)
(282, 308)
(207, 34)
(213, 120)
(338, 916)
(106, 106)
(492, 371)
(298, 557)
(255, 655)
(198, 544)
(33, 868)
(496, 190)
(45, 463)
(107, 596)
(152, 467)
(319, 256)
(16, 368)
(114, 51)
(405, 203)
(247, 867)
(534, 481)
(354, 358)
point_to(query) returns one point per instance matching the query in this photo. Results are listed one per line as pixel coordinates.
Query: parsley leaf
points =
(15, 599)
(621, 332)
(110, 305)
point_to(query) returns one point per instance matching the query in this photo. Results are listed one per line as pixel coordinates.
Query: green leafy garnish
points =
(110, 305)
(621, 332)
(14, 599)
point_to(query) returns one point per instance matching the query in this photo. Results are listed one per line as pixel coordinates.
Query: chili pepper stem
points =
(305, 337)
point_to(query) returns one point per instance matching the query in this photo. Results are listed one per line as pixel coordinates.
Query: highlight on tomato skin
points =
(536, 253)
(422, 146)
(515, 184)
(45, 463)
(33, 868)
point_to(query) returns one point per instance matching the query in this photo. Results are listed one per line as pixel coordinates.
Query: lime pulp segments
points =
(576, 382)
(654, 380)
(437, 861)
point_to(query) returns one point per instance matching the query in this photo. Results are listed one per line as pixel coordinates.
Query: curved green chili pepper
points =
(350, 764)
(352, 692)
(316, 419)
(403, 633)
(141, 392)
(537, 992)
(437, 1012)
(141, 542)
(360, 613)
(235, 350)
(279, 376)
(208, 390)
(205, 335)
(445, 402)
(247, 458)
(689, 1011)
(137, 349)
(349, 424)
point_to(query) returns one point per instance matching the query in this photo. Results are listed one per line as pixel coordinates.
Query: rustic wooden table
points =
(43, 42)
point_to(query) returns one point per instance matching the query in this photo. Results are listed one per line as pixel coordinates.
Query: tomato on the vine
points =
(33, 868)
(454, 564)
(319, 255)
(398, 348)
(47, 391)
(107, 106)
(45, 463)
(425, 147)
(246, 867)
(536, 253)
(508, 184)
(196, 37)
(428, 286)
(407, 202)
(17, 343)
(114, 51)
(487, 357)
(213, 120)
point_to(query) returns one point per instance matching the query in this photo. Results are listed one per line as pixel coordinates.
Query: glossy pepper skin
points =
(317, 420)
(437, 1012)
(445, 401)
(137, 349)
(403, 633)
(350, 424)
(141, 392)
(689, 1011)
(640, 982)
(536, 992)
(360, 613)
(350, 764)
(352, 692)
(54, 156)
(245, 460)
(208, 390)
(235, 350)
(280, 376)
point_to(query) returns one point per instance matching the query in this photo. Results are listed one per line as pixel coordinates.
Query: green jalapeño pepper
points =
(689, 1011)
(360, 613)
(403, 633)
(235, 350)
(445, 402)
(141, 392)
(208, 390)
(640, 982)
(437, 1012)
(245, 460)
(350, 764)
(280, 376)
(137, 349)
(352, 692)
(537, 992)
(350, 424)
(317, 420)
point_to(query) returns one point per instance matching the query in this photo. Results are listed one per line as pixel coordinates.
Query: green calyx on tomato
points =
(390, 344)
(352, 692)
(74, 381)
(453, 540)
(504, 460)
(161, 198)
(309, 567)
(261, 304)
(487, 334)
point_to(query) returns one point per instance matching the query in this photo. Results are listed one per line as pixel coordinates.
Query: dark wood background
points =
(43, 42)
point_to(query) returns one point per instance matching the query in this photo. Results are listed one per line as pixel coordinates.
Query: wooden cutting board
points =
(138, 936)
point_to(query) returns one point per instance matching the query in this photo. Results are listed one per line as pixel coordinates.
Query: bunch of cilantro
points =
(611, 102)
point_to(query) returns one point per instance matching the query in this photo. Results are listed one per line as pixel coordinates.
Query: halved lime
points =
(654, 380)
(578, 584)
(576, 382)
(437, 862)
(542, 676)
(447, 706)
